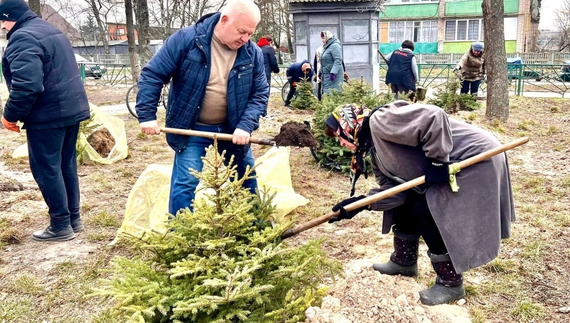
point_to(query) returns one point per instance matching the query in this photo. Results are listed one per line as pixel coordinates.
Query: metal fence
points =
(538, 72)
(452, 58)
(537, 78)
(527, 58)
(123, 59)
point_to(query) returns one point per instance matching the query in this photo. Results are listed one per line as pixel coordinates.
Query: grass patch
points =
(125, 172)
(500, 266)
(16, 310)
(26, 284)
(104, 219)
(8, 232)
(477, 315)
(532, 250)
(98, 237)
(527, 311)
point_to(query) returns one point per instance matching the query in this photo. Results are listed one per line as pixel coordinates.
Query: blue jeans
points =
(183, 184)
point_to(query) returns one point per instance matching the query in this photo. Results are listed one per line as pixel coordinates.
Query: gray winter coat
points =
(472, 221)
(331, 63)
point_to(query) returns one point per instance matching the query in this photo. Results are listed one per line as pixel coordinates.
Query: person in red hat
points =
(269, 59)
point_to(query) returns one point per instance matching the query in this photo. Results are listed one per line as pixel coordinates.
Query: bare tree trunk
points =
(143, 28)
(100, 25)
(289, 30)
(36, 7)
(135, 67)
(495, 60)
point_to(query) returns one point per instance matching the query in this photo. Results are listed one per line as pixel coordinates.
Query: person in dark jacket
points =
(462, 229)
(218, 85)
(295, 72)
(402, 72)
(47, 96)
(269, 59)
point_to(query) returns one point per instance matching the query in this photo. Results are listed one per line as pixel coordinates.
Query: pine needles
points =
(225, 262)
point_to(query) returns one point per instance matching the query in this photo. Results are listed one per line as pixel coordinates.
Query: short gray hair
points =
(242, 6)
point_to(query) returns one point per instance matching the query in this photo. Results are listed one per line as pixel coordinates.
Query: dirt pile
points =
(102, 141)
(295, 134)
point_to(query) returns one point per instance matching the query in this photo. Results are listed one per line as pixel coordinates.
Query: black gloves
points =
(344, 214)
(437, 172)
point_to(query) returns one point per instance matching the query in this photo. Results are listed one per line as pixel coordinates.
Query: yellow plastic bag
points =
(147, 204)
(114, 125)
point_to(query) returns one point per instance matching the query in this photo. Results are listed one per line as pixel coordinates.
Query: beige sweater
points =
(215, 105)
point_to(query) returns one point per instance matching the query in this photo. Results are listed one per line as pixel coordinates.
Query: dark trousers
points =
(291, 93)
(319, 89)
(53, 163)
(414, 218)
(471, 87)
(396, 89)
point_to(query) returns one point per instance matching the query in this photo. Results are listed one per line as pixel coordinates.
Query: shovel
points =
(214, 135)
(291, 134)
(400, 188)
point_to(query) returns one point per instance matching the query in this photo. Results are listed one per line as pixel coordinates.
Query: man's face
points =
(236, 29)
(7, 25)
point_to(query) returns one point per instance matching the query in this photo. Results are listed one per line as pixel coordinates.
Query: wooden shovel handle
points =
(213, 135)
(400, 188)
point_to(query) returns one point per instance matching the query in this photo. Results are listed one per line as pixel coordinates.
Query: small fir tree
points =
(330, 153)
(449, 100)
(225, 262)
(305, 100)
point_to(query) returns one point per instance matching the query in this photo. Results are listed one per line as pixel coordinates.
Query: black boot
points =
(403, 260)
(54, 234)
(77, 224)
(448, 285)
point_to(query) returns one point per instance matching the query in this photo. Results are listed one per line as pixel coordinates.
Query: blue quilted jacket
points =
(185, 59)
(46, 91)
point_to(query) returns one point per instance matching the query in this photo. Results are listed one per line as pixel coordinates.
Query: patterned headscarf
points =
(347, 120)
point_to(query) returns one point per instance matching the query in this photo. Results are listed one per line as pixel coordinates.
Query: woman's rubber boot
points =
(404, 260)
(448, 285)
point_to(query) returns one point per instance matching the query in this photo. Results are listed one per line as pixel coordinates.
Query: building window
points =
(464, 29)
(416, 31)
(120, 31)
(301, 32)
(355, 31)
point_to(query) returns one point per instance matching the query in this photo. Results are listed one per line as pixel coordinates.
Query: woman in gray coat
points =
(462, 229)
(331, 63)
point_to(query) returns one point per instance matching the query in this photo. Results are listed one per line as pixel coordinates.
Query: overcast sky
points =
(547, 14)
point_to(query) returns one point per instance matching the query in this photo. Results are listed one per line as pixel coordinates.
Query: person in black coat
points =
(402, 72)
(269, 59)
(48, 97)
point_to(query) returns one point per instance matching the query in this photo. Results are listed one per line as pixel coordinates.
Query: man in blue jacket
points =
(47, 96)
(218, 85)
